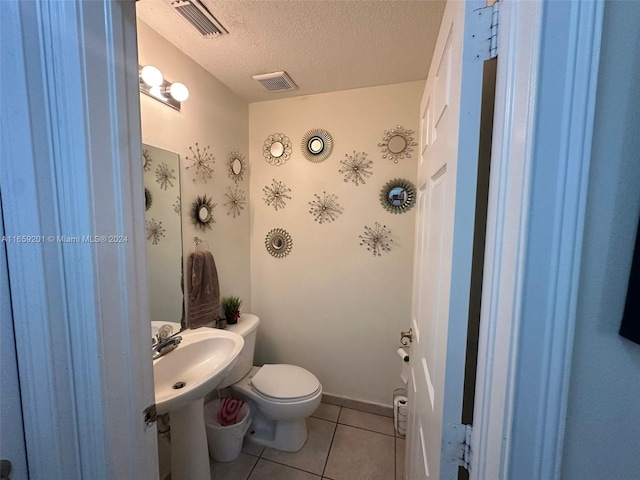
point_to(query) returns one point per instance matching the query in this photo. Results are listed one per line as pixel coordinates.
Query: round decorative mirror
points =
(237, 166)
(278, 242)
(398, 195)
(317, 145)
(202, 212)
(397, 144)
(277, 149)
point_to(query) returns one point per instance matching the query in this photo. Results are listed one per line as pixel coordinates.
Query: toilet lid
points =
(285, 381)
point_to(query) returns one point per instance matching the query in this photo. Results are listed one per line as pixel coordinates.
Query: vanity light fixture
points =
(152, 83)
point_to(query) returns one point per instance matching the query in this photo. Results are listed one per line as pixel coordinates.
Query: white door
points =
(447, 173)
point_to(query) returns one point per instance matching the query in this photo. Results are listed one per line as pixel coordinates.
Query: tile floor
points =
(343, 444)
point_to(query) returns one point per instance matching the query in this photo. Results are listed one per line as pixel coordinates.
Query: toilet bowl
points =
(281, 396)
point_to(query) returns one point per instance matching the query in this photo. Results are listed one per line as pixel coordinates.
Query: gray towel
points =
(204, 290)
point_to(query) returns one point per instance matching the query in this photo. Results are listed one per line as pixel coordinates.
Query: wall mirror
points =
(317, 145)
(397, 143)
(398, 195)
(278, 242)
(277, 149)
(202, 212)
(163, 234)
(237, 166)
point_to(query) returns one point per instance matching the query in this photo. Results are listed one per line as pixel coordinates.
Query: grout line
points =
(326, 461)
(367, 430)
(291, 466)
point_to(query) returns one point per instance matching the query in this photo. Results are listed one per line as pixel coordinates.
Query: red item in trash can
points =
(228, 413)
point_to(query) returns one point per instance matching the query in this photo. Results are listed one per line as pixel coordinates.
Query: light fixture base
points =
(156, 92)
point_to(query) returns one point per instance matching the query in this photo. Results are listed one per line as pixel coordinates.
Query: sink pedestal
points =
(189, 451)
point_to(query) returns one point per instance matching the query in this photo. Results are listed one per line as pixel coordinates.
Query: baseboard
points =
(377, 408)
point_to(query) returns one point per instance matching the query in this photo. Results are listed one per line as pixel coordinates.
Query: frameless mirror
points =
(163, 233)
(316, 145)
(277, 149)
(277, 243)
(236, 166)
(204, 214)
(397, 196)
(397, 144)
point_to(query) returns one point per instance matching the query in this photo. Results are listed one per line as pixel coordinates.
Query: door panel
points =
(447, 174)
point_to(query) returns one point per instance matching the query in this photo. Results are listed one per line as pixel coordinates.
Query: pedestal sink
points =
(182, 378)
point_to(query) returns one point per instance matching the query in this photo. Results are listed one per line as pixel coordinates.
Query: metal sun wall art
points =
(155, 231)
(148, 199)
(325, 209)
(356, 168)
(164, 175)
(376, 239)
(278, 242)
(398, 195)
(146, 160)
(276, 194)
(237, 166)
(177, 205)
(201, 213)
(277, 149)
(396, 144)
(202, 161)
(236, 201)
(317, 145)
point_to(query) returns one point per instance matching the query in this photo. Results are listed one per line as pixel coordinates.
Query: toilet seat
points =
(285, 383)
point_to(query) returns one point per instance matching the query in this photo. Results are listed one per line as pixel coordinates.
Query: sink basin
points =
(196, 367)
(182, 378)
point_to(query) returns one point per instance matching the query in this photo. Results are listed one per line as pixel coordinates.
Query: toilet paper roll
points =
(402, 353)
(404, 374)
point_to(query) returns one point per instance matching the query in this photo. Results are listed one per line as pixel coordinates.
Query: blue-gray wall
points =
(602, 438)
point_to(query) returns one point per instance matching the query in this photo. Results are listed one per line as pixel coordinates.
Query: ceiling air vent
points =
(198, 16)
(276, 81)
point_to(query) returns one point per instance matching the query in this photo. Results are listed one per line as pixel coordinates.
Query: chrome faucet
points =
(166, 346)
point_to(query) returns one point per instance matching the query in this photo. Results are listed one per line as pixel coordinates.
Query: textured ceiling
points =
(324, 46)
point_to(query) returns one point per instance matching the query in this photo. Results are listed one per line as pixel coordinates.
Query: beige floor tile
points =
(266, 470)
(239, 469)
(313, 455)
(400, 458)
(327, 411)
(368, 421)
(360, 455)
(252, 448)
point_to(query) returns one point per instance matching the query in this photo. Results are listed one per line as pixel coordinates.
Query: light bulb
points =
(151, 76)
(179, 91)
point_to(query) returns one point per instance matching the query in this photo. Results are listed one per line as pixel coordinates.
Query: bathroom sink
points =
(196, 367)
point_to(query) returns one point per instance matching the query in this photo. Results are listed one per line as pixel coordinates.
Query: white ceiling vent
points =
(276, 81)
(197, 15)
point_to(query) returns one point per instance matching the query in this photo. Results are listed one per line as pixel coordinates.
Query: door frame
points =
(512, 358)
(71, 167)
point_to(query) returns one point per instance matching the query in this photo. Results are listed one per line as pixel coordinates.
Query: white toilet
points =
(281, 396)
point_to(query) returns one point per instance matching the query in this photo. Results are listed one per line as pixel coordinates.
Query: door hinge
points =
(484, 32)
(150, 415)
(457, 445)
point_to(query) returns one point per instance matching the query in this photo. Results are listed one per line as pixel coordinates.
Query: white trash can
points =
(225, 442)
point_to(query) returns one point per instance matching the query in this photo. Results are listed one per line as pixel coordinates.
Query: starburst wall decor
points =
(356, 168)
(202, 161)
(164, 175)
(155, 231)
(276, 194)
(146, 160)
(325, 209)
(177, 205)
(236, 202)
(376, 239)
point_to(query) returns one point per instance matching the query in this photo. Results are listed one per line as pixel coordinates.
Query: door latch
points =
(404, 336)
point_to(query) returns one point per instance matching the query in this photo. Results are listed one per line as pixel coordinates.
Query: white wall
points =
(212, 116)
(602, 439)
(331, 306)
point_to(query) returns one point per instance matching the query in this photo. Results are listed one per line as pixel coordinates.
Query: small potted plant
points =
(231, 307)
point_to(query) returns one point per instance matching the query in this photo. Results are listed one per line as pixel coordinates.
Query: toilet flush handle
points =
(404, 336)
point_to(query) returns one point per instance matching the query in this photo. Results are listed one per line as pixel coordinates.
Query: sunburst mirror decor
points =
(278, 242)
(148, 199)
(236, 201)
(202, 161)
(202, 213)
(237, 166)
(317, 145)
(325, 209)
(356, 168)
(397, 144)
(376, 239)
(398, 195)
(277, 149)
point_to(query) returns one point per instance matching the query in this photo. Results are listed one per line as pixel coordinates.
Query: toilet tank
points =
(247, 326)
